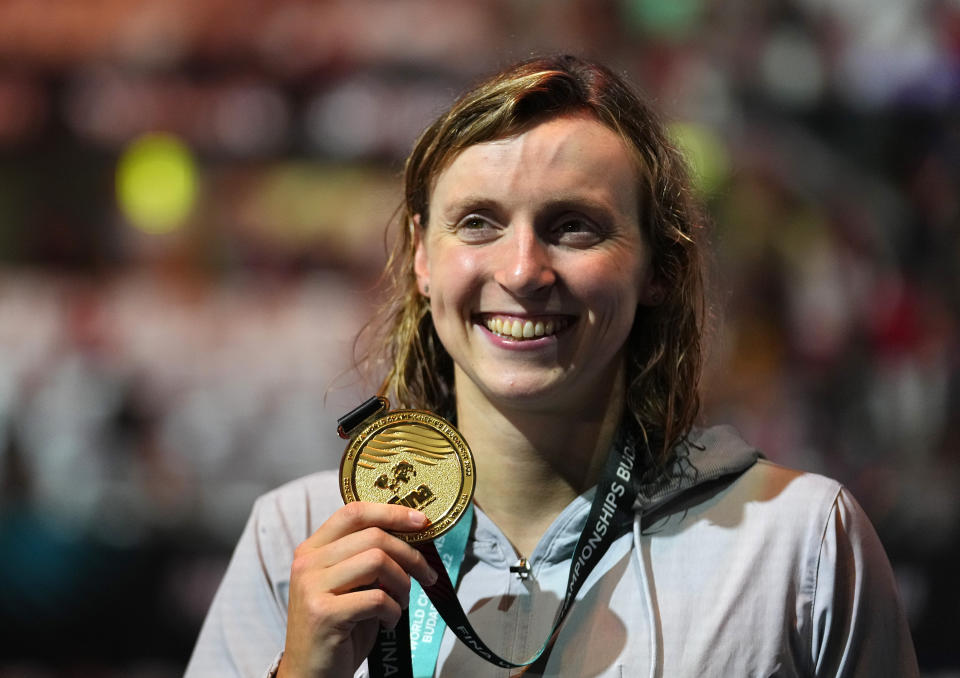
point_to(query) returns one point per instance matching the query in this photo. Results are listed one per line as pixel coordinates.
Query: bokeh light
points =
(673, 18)
(156, 183)
(705, 153)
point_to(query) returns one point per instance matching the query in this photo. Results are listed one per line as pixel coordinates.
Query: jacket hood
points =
(704, 455)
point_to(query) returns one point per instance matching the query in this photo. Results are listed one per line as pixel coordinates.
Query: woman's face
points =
(534, 264)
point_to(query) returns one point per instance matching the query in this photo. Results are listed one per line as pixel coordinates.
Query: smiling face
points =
(534, 264)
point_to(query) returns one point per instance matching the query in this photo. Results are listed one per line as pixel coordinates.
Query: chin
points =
(531, 396)
(543, 391)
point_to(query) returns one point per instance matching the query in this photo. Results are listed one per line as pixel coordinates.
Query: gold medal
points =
(413, 458)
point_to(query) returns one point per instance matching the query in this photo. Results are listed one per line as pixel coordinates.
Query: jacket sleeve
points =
(243, 633)
(859, 628)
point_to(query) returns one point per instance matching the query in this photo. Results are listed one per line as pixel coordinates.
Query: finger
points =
(359, 515)
(356, 607)
(406, 556)
(371, 568)
(371, 604)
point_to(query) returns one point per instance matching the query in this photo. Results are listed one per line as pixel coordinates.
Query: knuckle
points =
(300, 552)
(303, 558)
(298, 567)
(318, 611)
(377, 537)
(390, 543)
(381, 598)
(378, 557)
(352, 514)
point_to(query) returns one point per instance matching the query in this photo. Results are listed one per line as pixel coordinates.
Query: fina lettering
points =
(388, 644)
(464, 634)
(416, 499)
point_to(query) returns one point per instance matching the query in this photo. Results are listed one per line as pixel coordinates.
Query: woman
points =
(548, 297)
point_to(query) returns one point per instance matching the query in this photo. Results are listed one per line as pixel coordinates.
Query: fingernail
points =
(432, 577)
(417, 518)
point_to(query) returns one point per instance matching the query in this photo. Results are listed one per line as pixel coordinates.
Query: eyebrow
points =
(470, 203)
(474, 203)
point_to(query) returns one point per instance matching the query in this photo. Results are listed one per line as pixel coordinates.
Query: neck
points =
(530, 464)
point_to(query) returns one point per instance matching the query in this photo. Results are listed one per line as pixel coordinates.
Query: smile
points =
(520, 329)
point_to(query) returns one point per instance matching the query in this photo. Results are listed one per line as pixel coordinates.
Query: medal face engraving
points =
(414, 458)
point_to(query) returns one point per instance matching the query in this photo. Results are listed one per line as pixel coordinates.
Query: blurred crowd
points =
(158, 372)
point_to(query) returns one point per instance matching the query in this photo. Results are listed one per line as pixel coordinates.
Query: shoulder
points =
(848, 608)
(734, 486)
(789, 493)
(794, 545)
(766, 508)
(791, 503)
(812, 521)
(787, 489)
(719, 458)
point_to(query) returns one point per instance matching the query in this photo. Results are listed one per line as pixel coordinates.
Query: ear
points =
(421, 261)
(652, 291)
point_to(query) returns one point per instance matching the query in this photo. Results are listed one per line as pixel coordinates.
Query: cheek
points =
(456, 272)
(464, 262)
(609, 283)
(610, 290)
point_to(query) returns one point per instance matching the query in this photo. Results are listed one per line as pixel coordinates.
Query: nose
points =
(526, 267)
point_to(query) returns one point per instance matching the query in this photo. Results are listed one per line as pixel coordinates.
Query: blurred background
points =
(193, 199)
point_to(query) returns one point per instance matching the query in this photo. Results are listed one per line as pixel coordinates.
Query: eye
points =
(576, 231)
(476, 228)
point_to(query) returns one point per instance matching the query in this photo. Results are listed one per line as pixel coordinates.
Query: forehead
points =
(568, 156)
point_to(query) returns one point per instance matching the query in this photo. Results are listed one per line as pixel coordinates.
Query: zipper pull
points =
(521, 568)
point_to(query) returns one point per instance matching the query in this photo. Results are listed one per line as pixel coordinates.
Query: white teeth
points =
(523, 329)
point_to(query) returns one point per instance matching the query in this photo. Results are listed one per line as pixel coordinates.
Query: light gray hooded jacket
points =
(735, 567)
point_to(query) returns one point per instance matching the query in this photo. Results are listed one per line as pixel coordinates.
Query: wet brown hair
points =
(664, 348)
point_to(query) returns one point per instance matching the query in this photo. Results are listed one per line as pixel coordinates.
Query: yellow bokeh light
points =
(705, 153)
(156, 183)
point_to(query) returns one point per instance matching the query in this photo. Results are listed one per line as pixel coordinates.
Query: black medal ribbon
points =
(610, 512)
(390, 655)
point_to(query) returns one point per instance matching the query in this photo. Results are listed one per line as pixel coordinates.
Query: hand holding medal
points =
(417, 459)
(351, 577)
